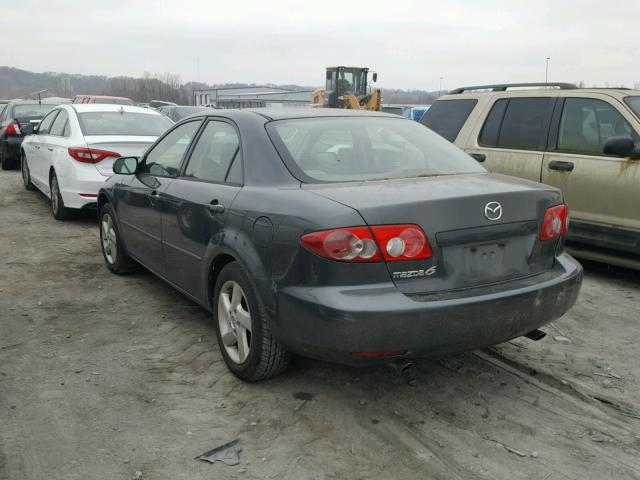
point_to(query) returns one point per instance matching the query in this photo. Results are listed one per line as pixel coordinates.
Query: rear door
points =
(602, 191)
(198, 201)
(37, 152)
(514, 134)
(140, 199)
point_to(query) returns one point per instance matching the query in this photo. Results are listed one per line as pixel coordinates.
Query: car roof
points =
(109, 107)
(291, 113)
(614, 92)
(102, 96)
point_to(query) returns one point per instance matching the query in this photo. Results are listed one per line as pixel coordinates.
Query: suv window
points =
(517, 123)
(45, 124)
(218, 148)
(164, 159)
(58, 127)
(587, 123)
(446, 117)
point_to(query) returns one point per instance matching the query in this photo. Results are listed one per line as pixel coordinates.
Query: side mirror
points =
(620, 146)
(375, 77)
(126, 165)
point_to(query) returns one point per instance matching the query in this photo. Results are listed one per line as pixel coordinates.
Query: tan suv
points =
(583, 141)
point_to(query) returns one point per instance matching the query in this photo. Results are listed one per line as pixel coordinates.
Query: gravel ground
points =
(108, 377)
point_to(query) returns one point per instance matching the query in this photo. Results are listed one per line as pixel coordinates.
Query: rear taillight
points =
(13, 129)
(555, 222)
(91, 155)
(370, 244)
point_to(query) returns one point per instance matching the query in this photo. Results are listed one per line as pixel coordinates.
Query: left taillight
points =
(370, 244)
(555, 222)
(13, 129)
(91, 155)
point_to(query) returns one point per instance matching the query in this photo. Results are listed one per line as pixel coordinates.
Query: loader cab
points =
(342, 81)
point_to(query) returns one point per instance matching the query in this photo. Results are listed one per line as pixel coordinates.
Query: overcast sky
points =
(410, 43)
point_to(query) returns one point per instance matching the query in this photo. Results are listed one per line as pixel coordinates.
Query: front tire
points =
(242, 328)
(26, 176)
(111, 245)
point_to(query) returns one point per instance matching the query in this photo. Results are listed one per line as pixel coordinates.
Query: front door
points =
(602, 191)
(140, 200)
(197, 204)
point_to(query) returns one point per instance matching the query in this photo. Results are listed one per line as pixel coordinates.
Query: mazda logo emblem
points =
(493, 211)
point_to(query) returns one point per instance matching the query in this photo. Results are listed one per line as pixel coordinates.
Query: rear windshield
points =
(446, 117)
(634, 104)
(123, 123)
(31, 110)
(365, 148)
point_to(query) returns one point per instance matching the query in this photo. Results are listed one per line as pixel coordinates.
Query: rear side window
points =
(517, 123)
(587, 123)
(218, 148)
(446, 117)
(45, 124)
(59, 125)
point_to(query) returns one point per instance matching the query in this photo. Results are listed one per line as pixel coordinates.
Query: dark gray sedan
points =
(341, 235)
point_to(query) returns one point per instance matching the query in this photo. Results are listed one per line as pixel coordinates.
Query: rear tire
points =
(236, 306)
(60, 212)
(111, 245)
(26, 176)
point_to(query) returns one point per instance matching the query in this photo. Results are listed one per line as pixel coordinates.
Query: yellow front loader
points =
(346, 87)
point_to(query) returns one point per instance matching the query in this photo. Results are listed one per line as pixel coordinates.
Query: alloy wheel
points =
(234, 320)
(54, 194)
(25, 171)
(109, 239)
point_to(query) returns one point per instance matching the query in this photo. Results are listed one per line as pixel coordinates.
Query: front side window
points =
(123, 123)
(365, 148)
(217, 150)
(447, 117)
(164, 159)
(587, 123)
(60, 123)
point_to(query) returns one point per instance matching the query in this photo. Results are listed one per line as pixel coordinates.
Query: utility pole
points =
(440, 91)
(546, 71)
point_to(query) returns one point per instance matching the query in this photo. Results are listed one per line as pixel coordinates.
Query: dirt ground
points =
(108, 377)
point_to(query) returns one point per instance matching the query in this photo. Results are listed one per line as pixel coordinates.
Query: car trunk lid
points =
(470, 248)
(132, 146)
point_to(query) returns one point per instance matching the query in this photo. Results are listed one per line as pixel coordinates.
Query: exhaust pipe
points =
(535, 335)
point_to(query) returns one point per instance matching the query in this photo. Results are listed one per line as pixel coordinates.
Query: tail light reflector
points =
(370, 244)
(13, 129)
(555, 222)
(91, 155)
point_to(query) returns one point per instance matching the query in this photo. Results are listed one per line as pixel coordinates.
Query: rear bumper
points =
(330, 323)
(11, 147)
(79, 185)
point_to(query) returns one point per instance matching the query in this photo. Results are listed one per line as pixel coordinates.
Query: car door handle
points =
(50, 149)
(153, 196)
(479, 157)
(36, 146)
(560, 165)
(215, 207)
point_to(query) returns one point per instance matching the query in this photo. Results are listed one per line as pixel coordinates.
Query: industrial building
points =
(252, 97)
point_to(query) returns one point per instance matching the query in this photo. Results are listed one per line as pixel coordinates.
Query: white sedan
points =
(72, 150)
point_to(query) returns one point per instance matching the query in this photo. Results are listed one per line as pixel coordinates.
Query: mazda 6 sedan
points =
(341, 235)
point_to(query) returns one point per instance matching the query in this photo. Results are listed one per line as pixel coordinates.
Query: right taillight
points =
(370, 244)
(90, 155)
(555, 222)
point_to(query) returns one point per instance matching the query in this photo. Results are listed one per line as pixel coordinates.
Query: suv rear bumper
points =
(330, 323)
